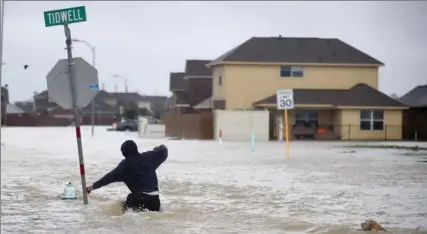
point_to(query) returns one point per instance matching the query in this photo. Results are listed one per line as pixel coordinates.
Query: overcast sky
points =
(145, 41)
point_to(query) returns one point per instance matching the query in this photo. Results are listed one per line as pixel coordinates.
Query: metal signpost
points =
(285, 101)
(71, 82)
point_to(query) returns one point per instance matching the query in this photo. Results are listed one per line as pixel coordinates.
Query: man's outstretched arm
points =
(158, 155)
(116, 175)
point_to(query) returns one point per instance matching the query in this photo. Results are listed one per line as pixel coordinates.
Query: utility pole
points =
(1, 51)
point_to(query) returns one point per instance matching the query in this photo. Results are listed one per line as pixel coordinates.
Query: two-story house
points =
(192, 89)
(335, 85)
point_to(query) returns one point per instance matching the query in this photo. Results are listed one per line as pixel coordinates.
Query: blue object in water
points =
(252, 140)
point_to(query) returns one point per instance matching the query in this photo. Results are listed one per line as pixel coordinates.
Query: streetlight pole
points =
(93, 64)
(1, 51)
(125, 80)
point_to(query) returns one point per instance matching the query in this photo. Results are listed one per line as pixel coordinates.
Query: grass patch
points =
(399, 147)
(415, 153)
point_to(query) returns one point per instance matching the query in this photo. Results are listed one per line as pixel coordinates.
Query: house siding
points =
(218, 91)
(350, 122)
(244, 84)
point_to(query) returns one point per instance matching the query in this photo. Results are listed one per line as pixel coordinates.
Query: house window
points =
(220, 80)
(372, 120)
(291, 71)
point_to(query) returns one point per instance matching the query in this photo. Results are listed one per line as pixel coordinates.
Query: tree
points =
(130, 111)
(144, 111)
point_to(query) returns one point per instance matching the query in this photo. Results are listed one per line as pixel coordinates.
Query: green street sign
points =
(65, 16)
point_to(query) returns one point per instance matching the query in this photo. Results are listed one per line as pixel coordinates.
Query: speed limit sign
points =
(285, 99)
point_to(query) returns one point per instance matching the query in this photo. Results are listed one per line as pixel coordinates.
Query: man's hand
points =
(89, 189)
(160, 147)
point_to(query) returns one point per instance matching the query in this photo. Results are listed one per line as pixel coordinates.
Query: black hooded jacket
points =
(137, 171)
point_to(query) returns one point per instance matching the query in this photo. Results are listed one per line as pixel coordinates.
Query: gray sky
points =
(145, 41)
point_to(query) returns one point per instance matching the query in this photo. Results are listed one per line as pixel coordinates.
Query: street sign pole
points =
(92, 117)
(285, 101)
(72, 82)
(71, 73)
(93, 99)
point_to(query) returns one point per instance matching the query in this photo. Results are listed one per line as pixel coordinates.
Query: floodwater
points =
(211, 188)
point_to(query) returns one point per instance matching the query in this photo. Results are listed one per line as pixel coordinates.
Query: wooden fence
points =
(189, 126)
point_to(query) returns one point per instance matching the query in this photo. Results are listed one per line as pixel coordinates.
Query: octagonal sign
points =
(85, 80)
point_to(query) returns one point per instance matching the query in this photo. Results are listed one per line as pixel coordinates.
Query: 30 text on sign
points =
(285, 99)
(65, 16)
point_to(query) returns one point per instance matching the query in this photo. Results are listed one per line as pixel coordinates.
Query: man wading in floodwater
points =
(138, 172)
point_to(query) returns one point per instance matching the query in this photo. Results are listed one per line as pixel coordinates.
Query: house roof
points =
(197, 68)
(177, 81)
(25, 106)
(43, 94)
(358, 95)
(205, 104)
(43, 103)
(296, 50)
(102, 94)
(100, 105)
(126, 96)
(181, 98)
(154, 98)
(12, 109)
(417, 97)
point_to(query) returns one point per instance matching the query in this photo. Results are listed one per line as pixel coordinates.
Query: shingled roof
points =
(297, 50)
(197, 68)
(417, 97)
(181, 98)
(177, 81)
(358, 95)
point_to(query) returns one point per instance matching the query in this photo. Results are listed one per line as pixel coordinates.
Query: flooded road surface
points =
(211, 188)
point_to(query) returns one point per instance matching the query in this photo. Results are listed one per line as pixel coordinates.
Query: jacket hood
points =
(129, 148)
